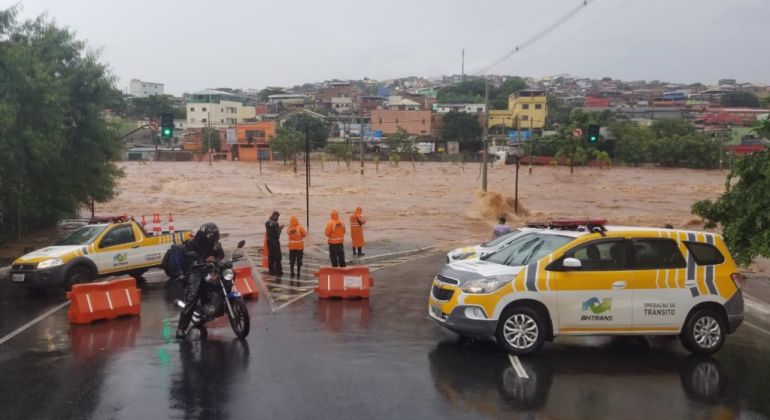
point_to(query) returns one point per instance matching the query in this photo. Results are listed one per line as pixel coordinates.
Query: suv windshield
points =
(528, 249)
(82, 236)
(501, 239)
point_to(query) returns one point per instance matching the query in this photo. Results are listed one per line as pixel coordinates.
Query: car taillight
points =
(738, 280)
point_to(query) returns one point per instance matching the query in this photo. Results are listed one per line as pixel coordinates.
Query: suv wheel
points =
(520, 331)
(78, 275)
(704, 332)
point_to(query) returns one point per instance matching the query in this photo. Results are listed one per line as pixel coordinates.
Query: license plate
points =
(437, 310)
(18, 277)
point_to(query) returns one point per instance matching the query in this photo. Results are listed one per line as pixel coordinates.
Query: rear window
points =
(705, 254)
(657, 254)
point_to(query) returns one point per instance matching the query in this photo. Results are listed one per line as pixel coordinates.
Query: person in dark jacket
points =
(273, 231)
(206, 244)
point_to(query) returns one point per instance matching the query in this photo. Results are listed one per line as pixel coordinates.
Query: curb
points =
(756, 309)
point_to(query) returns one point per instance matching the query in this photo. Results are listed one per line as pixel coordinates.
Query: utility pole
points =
(462, 71)
(530, 146)
(721, 143)
(209, 131)
(486, 136)
(362, 141)
(307, 177)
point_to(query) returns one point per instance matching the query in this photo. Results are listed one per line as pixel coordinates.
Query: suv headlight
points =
(53, 262)
(487, 285)
(463, 255)
(228, 274)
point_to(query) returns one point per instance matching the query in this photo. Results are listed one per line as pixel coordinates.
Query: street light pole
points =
(486, 136)
(307, 176)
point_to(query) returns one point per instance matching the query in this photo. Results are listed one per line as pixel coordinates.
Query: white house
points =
(142, 89)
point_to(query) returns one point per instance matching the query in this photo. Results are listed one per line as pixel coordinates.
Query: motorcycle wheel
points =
(239, 319)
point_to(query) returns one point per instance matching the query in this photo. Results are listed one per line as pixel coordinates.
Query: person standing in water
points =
(297, 235)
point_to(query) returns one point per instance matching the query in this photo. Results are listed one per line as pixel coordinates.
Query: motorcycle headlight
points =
(463, 255)
(487, 285)
(228, 274)
(53, 262)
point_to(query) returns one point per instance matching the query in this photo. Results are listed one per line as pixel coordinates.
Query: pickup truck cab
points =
(119, 246)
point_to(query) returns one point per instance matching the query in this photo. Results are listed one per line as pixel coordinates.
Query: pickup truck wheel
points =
(77, 275)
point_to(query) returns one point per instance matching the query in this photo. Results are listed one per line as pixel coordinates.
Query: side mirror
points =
(241, 244)
(571, 264)
(107, 242)
(192, 255)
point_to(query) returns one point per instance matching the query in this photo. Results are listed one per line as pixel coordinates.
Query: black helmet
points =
(209, 232)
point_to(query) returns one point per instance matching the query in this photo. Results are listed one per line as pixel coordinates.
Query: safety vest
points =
(296, 243)
(335, 230)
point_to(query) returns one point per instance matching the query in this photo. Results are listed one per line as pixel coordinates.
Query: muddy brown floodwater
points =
(436, 203)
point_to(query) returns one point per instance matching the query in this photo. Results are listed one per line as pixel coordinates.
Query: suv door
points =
(661, 295)
(597, 297)
(115, 248)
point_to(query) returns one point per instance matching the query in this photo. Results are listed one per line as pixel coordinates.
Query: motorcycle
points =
(215, 299)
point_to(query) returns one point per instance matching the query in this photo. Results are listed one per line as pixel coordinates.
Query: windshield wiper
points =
(534, 251)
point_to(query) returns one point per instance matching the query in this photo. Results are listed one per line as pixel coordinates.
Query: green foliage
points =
(602, 157)
(152, 106)
(472, 91)
(57, 151)
(286, 141)
(395, 157)
(668, 142)
(401, 143)
(264, 94)
(762, 127)
(739, 99)
(742, 209)
(317, 130)
(669, 127)
(339, 151)
(499, 98)
(211, 139)
(461, 126)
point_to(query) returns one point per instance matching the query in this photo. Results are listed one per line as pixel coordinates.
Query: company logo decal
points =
(597, 307)
(120, 259)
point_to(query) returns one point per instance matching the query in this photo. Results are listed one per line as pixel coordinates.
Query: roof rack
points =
(108, 219)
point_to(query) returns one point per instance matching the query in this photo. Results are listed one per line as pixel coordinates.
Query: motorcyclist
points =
(206, 244)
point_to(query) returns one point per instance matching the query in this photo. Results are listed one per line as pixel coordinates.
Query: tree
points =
(181, 112)
(317, 129)
(669, 127)
(742, 210)
(461, 126)
(401, 143)
(286, 142)
(472, 88)
(264, 94)
(602, 158)
(211, 140)
(153, 105)
(339, 151)
(501, 94)
(58, 152)
(739, 99)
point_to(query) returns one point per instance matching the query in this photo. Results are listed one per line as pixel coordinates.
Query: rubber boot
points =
(180, 333)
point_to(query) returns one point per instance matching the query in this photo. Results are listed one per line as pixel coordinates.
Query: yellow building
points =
(526, 110)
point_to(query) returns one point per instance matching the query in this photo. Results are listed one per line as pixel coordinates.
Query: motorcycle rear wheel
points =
(239, 319)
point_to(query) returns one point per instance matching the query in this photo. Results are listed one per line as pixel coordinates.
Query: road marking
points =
(33, 322)
(747, 323)
(518, 367)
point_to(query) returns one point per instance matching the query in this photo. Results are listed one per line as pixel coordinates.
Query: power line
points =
(537, 37)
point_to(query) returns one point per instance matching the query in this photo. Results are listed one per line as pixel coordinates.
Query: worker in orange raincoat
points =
(335, 231)
(297, 235)
(357, 222)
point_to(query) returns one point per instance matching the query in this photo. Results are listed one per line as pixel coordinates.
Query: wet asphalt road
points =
(376, 359)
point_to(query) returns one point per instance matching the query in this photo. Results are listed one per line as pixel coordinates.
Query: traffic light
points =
(593, 133)
(167, 124)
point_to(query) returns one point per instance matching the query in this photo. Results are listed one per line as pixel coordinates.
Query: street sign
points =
(577, 133)
(154, 126)
(232, 137)
(525, 134)
(370, 135)
(513, 136)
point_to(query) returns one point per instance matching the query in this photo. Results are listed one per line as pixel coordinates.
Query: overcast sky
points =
(191, 45)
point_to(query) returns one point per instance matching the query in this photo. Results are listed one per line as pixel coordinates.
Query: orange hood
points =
(359, 210)
(293, 222)
(335, 215)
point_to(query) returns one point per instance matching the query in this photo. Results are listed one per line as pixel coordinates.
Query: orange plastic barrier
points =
(106, 300)
(244, 283)
(345, 282)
